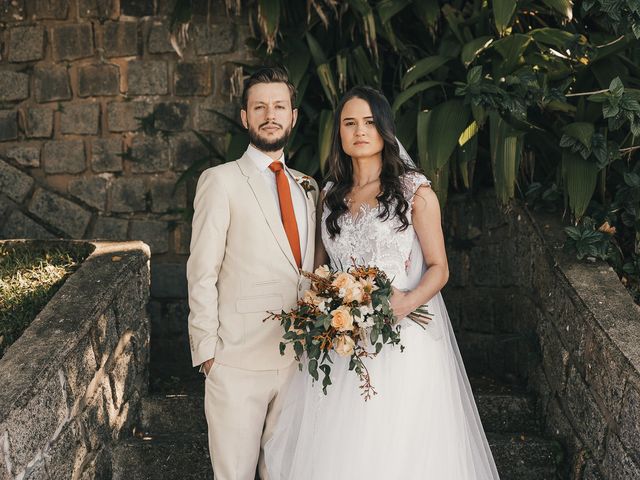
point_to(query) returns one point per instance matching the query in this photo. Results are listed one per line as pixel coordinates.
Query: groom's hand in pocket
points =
(206, 366)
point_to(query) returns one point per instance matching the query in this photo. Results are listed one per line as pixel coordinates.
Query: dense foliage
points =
(537, 97)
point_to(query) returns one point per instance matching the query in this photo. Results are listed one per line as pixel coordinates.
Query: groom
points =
(253, 230)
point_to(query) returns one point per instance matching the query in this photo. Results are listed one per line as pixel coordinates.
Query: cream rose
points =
(341, 319)
(323, 271)
(344, 345)
(311, 297)
(354, 293)
(344, 281)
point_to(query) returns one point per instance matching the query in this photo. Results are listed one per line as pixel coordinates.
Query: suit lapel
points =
(266, 203)
(311, 224)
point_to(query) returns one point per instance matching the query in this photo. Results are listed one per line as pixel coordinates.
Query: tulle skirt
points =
(422, 424)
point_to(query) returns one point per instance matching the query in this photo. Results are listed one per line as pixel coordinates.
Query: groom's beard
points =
(266, 145)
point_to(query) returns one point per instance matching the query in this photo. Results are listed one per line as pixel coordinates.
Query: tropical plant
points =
(535, 92)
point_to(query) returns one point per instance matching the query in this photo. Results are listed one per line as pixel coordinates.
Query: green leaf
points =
(552, 36)
(325, 75)
(506, 149)
(511, 48)
(325, 137)
(448, 121)
(317, 52)
(313, 368)
(387, 9)
(580, 181)
(297, 61)
(582, 131)
(411, 91)
(423, 67)
(503, 11)
(616, 87)
(563, 7)
(428, 11)
(422, 127)
(471, 49)
(236, 145)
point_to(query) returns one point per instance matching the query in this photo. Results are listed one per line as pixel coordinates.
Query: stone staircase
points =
(171, 442)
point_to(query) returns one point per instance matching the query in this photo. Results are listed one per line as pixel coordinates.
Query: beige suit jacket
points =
(241, 267)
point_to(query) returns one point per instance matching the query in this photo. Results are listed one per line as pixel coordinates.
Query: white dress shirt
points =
(262, 161)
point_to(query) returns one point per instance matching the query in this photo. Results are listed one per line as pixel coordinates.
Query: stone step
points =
(158, 457)
(525, 457)
(173, 414)
(502, 409)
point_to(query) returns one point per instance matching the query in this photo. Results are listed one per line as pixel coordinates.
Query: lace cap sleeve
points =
(412, 182)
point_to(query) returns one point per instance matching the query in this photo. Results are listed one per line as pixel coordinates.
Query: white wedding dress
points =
(422, 424)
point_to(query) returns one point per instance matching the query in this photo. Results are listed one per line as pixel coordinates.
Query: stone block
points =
(26, 43)
(163, 196)
(136, 8)
(617, 463)
(60, 213)
(49, 9)
(97, 414)
(79, 370)
(14, 86)
(13, 183)
(51, 83)
(159, 38)
(206, 120)
(38, 471)
(147, 77)
(182, 238)
(152, 232)
(187, 150)
(8, 125)
(585, 414)
(104, 337)
(216, 38)
(48, 410)
(100, 9)
(109, 228)
(63, 156)
(65, 456)
(25, 156)
(120, 39)
(106, 155)
(98, 80)
(39, 122)
(11, 12)
(192, 79)
(128, 195)
(171, 116)
(150, 154)
(168, 280)
(125, 116)
(83, 119)
(91, 190)
(71, 42)
(18, 225)
(122, 376)
(628, 421)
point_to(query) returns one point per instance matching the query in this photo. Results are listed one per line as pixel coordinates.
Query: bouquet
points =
(347, 312)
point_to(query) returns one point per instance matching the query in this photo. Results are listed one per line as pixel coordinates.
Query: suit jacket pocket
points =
(260, 303)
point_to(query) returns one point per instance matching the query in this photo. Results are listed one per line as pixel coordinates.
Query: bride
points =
(423, 424)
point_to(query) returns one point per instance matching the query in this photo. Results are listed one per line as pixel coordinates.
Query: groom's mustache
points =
(270, 124)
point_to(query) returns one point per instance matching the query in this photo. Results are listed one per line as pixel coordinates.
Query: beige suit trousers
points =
(242, 407)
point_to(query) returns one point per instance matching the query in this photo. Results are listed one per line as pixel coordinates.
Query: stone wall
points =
(529, 311)
(72, 383)
(97, 112)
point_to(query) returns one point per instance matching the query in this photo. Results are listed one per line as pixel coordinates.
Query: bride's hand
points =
(400, 303)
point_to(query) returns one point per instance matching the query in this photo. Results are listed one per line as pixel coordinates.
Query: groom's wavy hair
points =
(276, 74)
(391, 198)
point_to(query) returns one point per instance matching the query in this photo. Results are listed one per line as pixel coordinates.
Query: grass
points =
(29, 277)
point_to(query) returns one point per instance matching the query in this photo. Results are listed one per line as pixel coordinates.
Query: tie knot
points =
(275, 166)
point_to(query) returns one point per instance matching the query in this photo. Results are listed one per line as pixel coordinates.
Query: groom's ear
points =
(243, 118)
(295, 117)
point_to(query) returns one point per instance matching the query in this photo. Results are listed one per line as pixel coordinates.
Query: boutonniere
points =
(305, 182)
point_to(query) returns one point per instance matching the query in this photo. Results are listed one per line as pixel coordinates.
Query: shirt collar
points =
(261, 159)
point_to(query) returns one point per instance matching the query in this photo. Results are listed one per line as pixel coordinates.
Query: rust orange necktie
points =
(286, 210)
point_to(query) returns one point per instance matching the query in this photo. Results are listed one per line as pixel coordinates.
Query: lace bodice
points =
(372, 241)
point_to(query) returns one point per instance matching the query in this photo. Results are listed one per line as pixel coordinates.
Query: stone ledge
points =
(73, 381)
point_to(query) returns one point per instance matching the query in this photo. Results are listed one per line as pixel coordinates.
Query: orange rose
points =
(341, 319)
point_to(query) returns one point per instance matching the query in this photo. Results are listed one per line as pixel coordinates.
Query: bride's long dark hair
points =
(391, 197)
